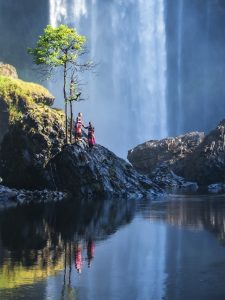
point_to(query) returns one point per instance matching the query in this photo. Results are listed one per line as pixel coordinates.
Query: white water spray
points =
(179, 128)
(127, 99)
(58, 12)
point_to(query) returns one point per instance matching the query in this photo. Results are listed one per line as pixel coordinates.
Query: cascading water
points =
(179, 128)
(127, 97)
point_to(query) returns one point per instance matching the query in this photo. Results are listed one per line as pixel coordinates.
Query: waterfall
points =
(58, 12)
(127, 40)
(179, 128)
(152, 69)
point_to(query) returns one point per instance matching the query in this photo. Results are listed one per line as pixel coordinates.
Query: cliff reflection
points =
(38, 241)
(194, 213)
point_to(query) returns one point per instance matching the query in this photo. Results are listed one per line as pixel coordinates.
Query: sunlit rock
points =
(8, 71)
(150, 155)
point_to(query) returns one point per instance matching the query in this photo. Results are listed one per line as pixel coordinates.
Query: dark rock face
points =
(27, 148)
(164, 177)
(96, 172)
(150, 155)
(4, 119)
(206, 164)
(192, 156)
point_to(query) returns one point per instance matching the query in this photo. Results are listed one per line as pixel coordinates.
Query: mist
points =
(160, 64)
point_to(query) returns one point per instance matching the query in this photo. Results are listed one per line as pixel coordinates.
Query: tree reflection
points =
(58, 236)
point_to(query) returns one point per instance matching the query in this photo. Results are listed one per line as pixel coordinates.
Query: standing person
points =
(91, 135)
(78, 127)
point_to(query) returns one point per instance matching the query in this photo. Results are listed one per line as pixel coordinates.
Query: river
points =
(171, 249)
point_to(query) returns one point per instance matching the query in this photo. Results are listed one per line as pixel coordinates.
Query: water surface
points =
(115, 249)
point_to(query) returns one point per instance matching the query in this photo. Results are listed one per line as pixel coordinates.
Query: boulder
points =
(193, 156)
(165, 178)
(206, 164)
(96, 172)
(150, 155)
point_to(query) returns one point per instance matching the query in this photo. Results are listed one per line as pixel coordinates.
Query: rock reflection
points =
(194, 213)
(38, 241)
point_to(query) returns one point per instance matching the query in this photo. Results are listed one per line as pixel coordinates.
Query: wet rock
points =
(12, 197)
(96, 172)
(164, 177)
(216, 188)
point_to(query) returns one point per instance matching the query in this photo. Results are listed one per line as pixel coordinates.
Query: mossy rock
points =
(18, 94)
(35, 132)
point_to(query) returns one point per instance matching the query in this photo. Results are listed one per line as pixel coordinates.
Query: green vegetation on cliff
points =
(33, 132)
(20, 96)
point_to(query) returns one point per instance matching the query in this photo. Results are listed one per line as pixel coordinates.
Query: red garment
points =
(78, 127)
(91, 136)
(78, 259)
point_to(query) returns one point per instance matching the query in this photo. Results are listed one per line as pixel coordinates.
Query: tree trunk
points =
(65, 99)
(71, 120)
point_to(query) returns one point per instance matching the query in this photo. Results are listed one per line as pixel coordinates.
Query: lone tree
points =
(61, 47)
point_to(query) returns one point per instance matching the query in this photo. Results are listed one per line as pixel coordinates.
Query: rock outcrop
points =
(164, 177)
(12, 197)
(96, 172)
(150, 155)
(33, 154)
(206, 164)
(193, 156)
(8, 71)
(31, 135)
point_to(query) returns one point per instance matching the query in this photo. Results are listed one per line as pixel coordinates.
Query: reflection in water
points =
(38, 241)
(192, 212)
(140, 250)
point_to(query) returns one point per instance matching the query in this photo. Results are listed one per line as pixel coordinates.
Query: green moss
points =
(21, 97)
(13, 89)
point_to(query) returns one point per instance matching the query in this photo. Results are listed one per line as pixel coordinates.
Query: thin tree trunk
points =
(71, 120)
(65, 100)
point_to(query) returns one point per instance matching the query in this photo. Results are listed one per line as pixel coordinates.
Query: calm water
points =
(173, 249)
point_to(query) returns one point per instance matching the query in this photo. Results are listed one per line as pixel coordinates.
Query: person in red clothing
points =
(78, 258)
(91, 135)
(78, 127)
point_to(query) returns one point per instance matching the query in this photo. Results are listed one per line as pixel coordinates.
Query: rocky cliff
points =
(33, 154)
(148, 156)
(33, 132)
(193, 156)
(206, 164)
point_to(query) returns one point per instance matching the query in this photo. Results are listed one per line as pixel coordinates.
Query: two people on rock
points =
(78, 131)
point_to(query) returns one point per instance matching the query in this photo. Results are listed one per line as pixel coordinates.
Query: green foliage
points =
(61, 47)
(58, 46)
(20, 96)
